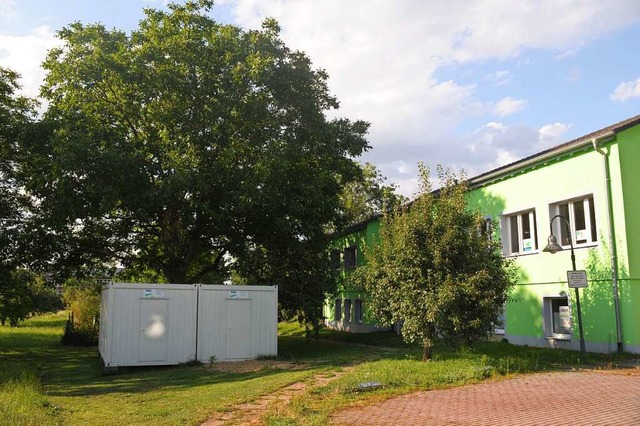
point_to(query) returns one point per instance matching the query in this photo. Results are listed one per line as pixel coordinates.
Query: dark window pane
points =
(358, 310)
(350, 257)
(513, 229)
(563, 210)
(347, 310)
(581, 224)
(535, 232)
(526, 228)
(335, 259)
(337, 314)
(561, 316)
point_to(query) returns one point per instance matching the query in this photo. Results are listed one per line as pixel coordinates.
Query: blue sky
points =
(470, 85)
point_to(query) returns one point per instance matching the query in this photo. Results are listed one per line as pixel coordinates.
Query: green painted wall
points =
(543, 274)
(630, 287)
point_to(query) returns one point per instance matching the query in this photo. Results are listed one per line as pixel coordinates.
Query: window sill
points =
(581, 246)
(558, 336)
(527, 253)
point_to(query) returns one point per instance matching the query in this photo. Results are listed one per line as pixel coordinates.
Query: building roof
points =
(603, 134)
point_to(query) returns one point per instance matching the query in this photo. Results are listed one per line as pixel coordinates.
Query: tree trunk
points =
(426, 351)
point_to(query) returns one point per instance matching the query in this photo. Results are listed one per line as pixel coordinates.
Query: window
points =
(350, 254)
(357, 310)
(581, 215)
(557, 314)
(499, 327)
(337, 312)
(347, 310)
(519, 233)
(334, 256)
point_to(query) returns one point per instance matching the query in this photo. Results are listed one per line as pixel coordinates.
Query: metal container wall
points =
(237, 322)
(148, 324)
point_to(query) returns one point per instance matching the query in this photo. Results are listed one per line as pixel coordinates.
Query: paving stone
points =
(567, 398)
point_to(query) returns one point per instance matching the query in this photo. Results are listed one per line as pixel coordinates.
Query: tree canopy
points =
(434, 269)
(185, 145)
(367, 196)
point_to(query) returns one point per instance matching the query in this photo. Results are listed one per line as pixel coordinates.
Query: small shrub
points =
(83, 300)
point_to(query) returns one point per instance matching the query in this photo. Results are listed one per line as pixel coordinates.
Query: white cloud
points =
(626, 90)
(24, 54)
(508, 106)
(500, 78)
(551, 134)
(7, 8)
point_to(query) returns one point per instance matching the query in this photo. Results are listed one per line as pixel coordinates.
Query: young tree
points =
(185, 145)
(434, 270)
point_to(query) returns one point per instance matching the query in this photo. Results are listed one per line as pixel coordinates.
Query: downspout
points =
(612, 239)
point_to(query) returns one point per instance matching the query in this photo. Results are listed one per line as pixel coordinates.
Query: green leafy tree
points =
(16, 115)
(434, 270)
(366, 196)
(185, 147)
(303, 272)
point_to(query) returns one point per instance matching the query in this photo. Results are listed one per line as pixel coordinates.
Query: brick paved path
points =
(568, 398)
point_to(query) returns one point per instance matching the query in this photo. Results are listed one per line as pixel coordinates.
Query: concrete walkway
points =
(606, 397)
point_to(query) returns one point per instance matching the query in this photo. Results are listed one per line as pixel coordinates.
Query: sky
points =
(471, 85)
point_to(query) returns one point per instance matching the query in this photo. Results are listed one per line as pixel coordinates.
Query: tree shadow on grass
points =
(78, 371)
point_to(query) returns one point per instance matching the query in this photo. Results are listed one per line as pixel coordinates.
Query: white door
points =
(153, 330)
(238, 331)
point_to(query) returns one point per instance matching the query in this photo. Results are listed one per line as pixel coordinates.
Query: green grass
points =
(42, 382)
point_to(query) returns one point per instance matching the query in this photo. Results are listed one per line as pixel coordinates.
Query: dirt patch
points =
(251, 413)
(253, 365)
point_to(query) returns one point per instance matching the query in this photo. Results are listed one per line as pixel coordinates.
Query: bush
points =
(82, 298)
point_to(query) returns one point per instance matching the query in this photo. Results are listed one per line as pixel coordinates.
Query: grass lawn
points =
(44, 383)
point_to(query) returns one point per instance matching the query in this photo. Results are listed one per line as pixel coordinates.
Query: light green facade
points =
(574, 171)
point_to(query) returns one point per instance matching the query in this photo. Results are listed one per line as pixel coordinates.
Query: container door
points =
(238, 331)
(153, 330)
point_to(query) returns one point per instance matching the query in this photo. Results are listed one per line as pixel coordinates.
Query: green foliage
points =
(434, 270)
(301, 270)
(366, 196)
(15, 295)
(82, 299)
(184, 146)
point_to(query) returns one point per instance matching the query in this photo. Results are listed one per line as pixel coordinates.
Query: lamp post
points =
(553, 247)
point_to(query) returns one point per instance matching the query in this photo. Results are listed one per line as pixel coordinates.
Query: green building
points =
(585, 192)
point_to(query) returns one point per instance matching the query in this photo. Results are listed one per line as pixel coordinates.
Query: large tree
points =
(435, 269)
(16, 114)
(186, 145)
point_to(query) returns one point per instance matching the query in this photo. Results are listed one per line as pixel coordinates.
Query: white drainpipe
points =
(612, 239)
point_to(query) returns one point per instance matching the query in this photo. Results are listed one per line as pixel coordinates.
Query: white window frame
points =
(530, 215)
(549, 318)
(559, 224)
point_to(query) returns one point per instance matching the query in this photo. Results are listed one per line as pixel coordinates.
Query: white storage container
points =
(237, 322)
(148, 324)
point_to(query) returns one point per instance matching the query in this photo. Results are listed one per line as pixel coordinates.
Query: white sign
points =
(149, 293)
(235, 294)
(577, 279)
